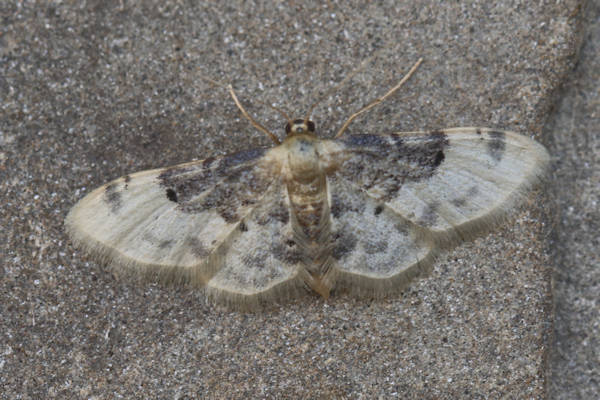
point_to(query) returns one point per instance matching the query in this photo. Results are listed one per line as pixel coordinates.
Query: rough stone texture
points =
(90, 91)
(574, 133)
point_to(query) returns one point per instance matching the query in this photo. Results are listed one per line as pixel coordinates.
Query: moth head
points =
(300, 126)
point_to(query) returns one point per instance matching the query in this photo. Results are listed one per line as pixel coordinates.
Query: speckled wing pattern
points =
(173, 222)
(400, 198)
(368, 215)
(445, 181)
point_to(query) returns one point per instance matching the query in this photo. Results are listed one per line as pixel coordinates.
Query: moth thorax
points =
(303, 158)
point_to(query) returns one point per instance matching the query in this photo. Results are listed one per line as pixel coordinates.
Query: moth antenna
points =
(279, 110)
(214, 82)
(380, 99)
(252, 120)
(254, 123)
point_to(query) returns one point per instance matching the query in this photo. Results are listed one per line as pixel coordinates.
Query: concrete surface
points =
(574, 139)
(93, 90)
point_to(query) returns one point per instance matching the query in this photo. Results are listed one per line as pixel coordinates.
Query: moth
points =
(364, 213)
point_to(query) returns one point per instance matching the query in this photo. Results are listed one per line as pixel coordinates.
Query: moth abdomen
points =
(310, 206)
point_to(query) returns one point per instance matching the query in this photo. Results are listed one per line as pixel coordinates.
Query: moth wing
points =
(172, 222)
(452, 182)
(261, 262)
(376, 250)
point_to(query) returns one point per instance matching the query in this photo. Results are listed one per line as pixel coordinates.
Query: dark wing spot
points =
(127, 179)
(243, 227)
(196, 247)
(462, 201)
(171, 195)
(459, 202)
(112, 197)
(439, 157)
(229, 215)
(402, 228)
(165, 244)
(375, 247)
(497, 145)
(187, 182)
(253, 261)
(341, 205)
(344, 243)
(430, 216)
(472, 192)
(378, 210)
(286, 251)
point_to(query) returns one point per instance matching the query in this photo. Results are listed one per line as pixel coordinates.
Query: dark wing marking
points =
(377, 251)
(261, 261)
(227, 184)
(172, 221)
(382, 164)
(452, 182)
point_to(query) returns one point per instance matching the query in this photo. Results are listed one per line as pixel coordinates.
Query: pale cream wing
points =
(377, 251)
(172, 222)
(453, 183)
(261, 262)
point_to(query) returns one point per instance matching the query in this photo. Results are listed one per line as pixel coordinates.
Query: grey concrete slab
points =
(574, 133)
